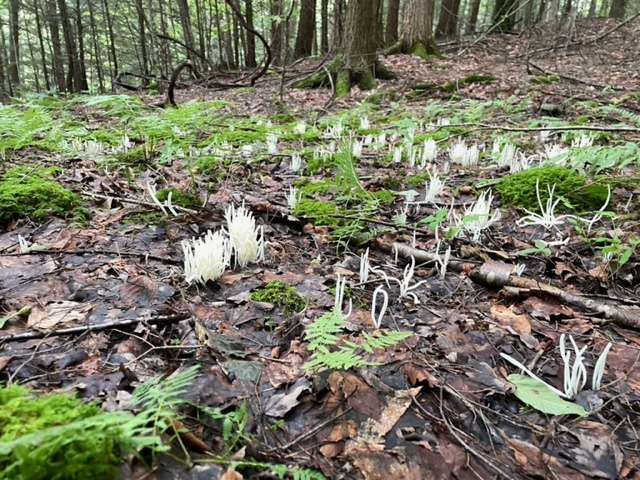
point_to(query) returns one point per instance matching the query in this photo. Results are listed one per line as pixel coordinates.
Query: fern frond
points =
(343, 359)
(383, 340)
(165, 393)
(324, 331)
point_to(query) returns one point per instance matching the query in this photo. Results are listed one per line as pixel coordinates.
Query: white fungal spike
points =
(377, 318)
(341, 283)
(206, 258)
(247, 239)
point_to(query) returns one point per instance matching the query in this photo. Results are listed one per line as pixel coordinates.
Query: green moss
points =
(311, 188)
(78, 454)
(385, 197)
(545, 79)
(32, 193)
(137, 157)
(145, 218)
(419, 180)
(578, 193)
(343, 83)
(179, 198)
(208, 164)
(282, 295)
(320, 213)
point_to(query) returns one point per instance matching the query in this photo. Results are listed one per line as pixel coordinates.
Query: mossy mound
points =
(137, 157)
(32, 193)
(179, 198)
(282, 295)
(320, 213)
(577, 192)
(38, 440)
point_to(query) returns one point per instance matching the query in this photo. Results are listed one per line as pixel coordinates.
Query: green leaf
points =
(539, 396)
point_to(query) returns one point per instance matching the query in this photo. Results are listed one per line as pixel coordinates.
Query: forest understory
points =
(483, 204)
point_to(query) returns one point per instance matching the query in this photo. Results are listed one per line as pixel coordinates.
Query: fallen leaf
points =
(515, 323)
(282, 403)
(58, 314)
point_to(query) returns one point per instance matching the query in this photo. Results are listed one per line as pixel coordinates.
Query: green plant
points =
(541, 248)
(280, 294)
(58, 437)
(179, 198)
(331, 351)
(519, 190)
(32, 192)
(234, 425)
(614, 249)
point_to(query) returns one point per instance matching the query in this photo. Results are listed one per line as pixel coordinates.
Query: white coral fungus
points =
(247, 239)
(206, 258)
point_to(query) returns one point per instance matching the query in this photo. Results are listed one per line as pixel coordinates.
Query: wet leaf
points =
(540, 397)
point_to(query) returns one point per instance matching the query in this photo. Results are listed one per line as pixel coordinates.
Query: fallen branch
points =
(93, 251)
(572, 79)
(499, 274)
(157, 320)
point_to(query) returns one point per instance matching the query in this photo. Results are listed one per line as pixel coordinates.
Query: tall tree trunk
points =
(277, 22)
(96, 47)
(230, 39)
(53, 20)
(306, 29)
(448, 22)
(417, 30)
(338, 27)
(32, 58)
(82, 76)
(391, 31)
(359, 47)
(43, 56)
(473, 16)
(5, 84)
(165, 49)
(74, 74)
(504, 15)
(187, 30)
(324, 25)
(144, 59)
(250, 43)
(14, 43)
(618, 8)
(112, 39)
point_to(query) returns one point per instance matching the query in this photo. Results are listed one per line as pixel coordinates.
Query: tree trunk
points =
(250, 51)
(473, 16)
(417, 30)
(448, 22)
(324, 24)
(96, 47)
(82, 76)
(276, 31)
(306, 29)
(5, 85)
(43, 56)
(618, 8)
(14, 43)
(112, 40)
(359, 46)
(504, 15)
(54, 32)
(74, 74)
(391, 32)
(142, 36)
(187, 31)
(338, 28)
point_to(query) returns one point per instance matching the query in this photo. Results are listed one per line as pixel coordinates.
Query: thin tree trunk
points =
(618, 8)
(250, 52)
(473, 16)
(74, 74)
(43, 56)
(54, 33)
(112, 41)
(276, 31)
(4, 93)
(187, 31)
(448, 22)
(144, 59)
(324, 24)
(338, 28)
(14, 43)
(82, 76)
(306, 29)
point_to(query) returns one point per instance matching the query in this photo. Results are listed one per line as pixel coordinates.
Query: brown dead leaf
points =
(375, 430)
(231, 474)
(417, 375)
(58, 314)
(138, 289)
(358, 394)
(539, 308)
(515, 323)
(4, 361)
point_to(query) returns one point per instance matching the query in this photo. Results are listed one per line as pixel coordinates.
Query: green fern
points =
(324, 331)
(383, 341)
(345, 358)
(282, 472)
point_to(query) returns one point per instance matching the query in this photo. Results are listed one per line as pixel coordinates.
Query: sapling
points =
(376, 316)
(246, 239)
(206, 258)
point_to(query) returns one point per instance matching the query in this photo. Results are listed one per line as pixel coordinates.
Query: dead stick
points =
(498, 275)
(157, 320)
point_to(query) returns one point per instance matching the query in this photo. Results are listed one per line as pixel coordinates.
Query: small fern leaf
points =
(324, 331)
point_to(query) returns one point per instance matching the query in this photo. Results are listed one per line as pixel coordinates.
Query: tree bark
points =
(43, 56)
(142, 36)
(448, 21)
(393, 14)
(324, 24)
(250, 53)
(618, 8)
(503, 15)
(74, 75)
(54, 33)
(306, 29)
(112, 39)
(82, 77)
(473, 16)
(14, 43)
(417, 31)
(187, 30)
(276, 31)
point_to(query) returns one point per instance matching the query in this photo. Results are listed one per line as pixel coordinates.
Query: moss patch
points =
(320, 213)
(179, 198)
(282, 295)
(579, 194)
(82, 453)
(32, 192)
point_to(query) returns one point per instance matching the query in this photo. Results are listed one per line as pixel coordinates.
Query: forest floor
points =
(435, 402)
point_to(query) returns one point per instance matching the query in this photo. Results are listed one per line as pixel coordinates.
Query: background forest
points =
(87, 45)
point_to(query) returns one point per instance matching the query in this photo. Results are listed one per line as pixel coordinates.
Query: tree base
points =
(426, 51)
(343, 77)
